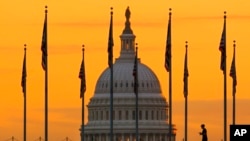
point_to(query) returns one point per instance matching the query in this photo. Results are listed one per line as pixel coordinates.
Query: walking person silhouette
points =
(203, 133)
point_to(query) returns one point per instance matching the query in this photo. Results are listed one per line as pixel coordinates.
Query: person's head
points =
(202, 126)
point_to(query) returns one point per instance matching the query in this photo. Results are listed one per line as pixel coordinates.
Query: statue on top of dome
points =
(127, 13)
(127, 29)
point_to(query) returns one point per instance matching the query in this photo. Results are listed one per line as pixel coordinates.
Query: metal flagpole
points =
(168, 66)
(186, 93)
(225, 84)
(82, 91)
(82, 131)
(111, 101)
(110, 62)
(136, 92)
(233, 75)
(170, 83)
(223, 67)
(25, 96)
(24, 92)
(233, 108)
(46, 79)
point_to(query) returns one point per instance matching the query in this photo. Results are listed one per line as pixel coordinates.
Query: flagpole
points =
(170, 85)
(82, 131)
(82, 96)
(186, 93)
(225, 85)
(25, 96)
(234, 91)
(111, 100)
(110, 62)
(186, 114)
(46, 82)
(136, 94)
(168, 66)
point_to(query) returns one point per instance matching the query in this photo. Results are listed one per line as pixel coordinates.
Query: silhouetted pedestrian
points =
(204, 132)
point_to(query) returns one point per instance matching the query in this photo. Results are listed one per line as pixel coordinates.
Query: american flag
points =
(222, 48)
(110, 42)
(186, 74)
(233, 73)
(44, 44)
(24, 73)
(135, 73)
(82, 77)
(168, 46)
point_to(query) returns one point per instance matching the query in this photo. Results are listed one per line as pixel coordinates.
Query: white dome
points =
(123, 80)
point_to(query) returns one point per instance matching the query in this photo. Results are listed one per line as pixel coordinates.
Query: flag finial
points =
(111, 11)
(25, 47)
(234, 43)
(83, 47)
(136, 46)
(186, 44)
(170, 11)
(46, 9)
(225, 14)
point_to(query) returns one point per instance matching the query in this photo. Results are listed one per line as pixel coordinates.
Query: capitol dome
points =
(152, 105)
(123, 79)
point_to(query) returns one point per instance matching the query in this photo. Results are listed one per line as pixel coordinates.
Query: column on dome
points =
(165, 137)
(150, 137)
(114, 137)
(124, 137)
(127, 137)
(99, 136)
(107, 137)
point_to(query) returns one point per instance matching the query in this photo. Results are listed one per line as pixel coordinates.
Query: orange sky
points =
(73, 23)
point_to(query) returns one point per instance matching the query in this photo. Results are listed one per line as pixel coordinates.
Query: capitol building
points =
(152, 105)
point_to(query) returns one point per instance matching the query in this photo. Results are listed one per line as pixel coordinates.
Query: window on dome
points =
(120, 115)
(96, 115)
(146, 115)
(126, 84)
(157, 115)
(101, 115)
(107, 115)
(127, 46)
(115, 84)
(162, 114)
(92, 115)
(126, 116)
(133, 115)
(140, 115)
(152, 115)
(121, 84)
